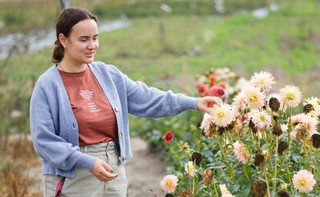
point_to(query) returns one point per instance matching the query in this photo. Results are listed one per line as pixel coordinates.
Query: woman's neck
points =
(71, 68)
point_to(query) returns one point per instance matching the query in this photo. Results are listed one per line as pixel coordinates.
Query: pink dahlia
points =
(261, 119)
(290, 96)
(216, 91)
(169, 183)
(241, 152)
(254, 98)
(304, 181)
(222, 115)
(262, 80)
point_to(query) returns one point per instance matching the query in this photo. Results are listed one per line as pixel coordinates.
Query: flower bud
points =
(207, 176)
(283, 146)
(253, 127)
(308, 108)
(277, 129)
(316, 140)
(259, 188)
(185, 193)
(259, 158)
(197, 157)
(283, 194)
(274, 104)
(283, 186)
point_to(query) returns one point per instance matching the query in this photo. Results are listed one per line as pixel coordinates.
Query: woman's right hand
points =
(102, 171)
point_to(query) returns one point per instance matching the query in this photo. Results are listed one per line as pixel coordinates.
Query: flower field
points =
(261, 142)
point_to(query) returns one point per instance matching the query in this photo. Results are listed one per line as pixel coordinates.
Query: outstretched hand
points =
(207, 102)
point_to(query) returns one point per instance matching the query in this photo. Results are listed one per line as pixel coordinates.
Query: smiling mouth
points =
(89, 54)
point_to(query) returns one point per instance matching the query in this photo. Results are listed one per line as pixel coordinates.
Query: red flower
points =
(223, 85)
(216, 91)
(168, 137)
(212, 79)
(203, 90)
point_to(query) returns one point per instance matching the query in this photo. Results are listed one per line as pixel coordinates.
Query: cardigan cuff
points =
(84, 160)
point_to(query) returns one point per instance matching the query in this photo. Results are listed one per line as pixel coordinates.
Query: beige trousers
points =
(84, 184)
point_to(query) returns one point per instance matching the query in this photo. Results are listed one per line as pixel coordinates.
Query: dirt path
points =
(144, 172)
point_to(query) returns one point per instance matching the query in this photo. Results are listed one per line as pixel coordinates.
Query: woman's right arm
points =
(50, 146)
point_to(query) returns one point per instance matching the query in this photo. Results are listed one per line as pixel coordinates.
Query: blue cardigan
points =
(54, 128)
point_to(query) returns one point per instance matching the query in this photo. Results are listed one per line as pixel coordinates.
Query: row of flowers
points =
(255, 144)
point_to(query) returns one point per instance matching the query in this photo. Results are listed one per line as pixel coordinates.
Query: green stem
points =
(291, 186)
(187, 160)
(275, 167)
(245, 173)
(266, 179)
(315, 171)
(193, 179)
(225, 157)
(268, 148)
(307, 155)
(289, 129)
(215, 189)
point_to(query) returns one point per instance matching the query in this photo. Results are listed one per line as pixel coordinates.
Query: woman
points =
(79, 113)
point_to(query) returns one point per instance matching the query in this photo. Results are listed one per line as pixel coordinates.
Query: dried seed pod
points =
(197, 157)
(207, 176)
(316, 140)
(308, 108)
(276, 130)
(185, 193)
(274, 104)
(259, 188)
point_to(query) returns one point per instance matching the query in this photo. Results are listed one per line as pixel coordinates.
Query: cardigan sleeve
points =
(47, 142)
(146, 101)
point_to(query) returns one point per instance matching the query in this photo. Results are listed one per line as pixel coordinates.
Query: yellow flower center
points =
(262, 80)
(262, 118)
(220, 114)
(169, 184)
(253, 99)
(303, 182)
(290, 96)
(224, 190)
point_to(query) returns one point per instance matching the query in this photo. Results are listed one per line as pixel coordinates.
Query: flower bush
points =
(257, 143)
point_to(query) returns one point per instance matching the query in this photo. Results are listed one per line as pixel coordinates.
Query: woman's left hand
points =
(206, 103)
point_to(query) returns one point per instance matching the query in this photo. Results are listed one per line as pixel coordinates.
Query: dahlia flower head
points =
(222, 115)
(261, 119)
(224, 191)
(241, 152)
(290, 96)
(190, 169)
(253, 98)
(169, 183)
(262, 81)
(303, 181)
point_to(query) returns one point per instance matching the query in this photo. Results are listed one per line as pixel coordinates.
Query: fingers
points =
(103, 171)
(206, 103)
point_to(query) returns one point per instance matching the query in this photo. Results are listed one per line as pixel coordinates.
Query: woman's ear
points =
(63, 40)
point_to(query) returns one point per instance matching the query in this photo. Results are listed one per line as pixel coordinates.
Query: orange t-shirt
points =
(91, 108)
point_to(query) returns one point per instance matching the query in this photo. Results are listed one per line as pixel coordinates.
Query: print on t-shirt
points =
(87, 95)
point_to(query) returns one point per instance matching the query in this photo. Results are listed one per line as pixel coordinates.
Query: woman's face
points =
(82, 43)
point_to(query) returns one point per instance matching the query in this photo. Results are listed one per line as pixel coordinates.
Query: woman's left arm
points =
(146, 101)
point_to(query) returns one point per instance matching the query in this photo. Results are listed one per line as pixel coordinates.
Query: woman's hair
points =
(67, 19)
